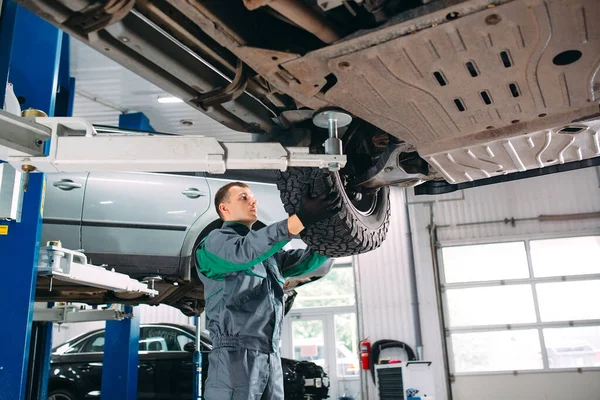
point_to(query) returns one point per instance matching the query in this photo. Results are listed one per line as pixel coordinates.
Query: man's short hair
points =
(222, 195)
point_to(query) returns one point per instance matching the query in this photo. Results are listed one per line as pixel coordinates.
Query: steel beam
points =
(120, 363)
(22, 135)
(83, 150)
(70, 314)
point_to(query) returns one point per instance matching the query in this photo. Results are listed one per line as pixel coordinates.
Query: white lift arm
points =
(76, 147)
(67, 314)
(72, 266)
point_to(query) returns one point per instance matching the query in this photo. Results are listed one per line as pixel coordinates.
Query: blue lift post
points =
(65, 93)
(29, 58)
(197, 363)
(120, 362)
(41, 332)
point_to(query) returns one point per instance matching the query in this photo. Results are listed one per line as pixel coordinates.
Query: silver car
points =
(145, 225)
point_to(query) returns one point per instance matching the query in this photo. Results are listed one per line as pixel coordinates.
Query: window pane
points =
(94, 344)
(567, 256)
(497, 351)
(346, 344)
(569, 301)
(573, 347)
(335, 289)
(485, 262)
(491, 305)
(182, 340)
(309, 343)
(158, 338)
(76, 348)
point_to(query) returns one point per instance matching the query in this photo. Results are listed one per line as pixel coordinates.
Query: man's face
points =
(240, 207)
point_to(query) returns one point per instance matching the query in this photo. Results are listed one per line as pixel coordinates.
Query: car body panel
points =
(141, 214)
(62, 214)
(140, 223)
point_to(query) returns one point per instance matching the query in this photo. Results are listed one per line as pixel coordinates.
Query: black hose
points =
(380, 345)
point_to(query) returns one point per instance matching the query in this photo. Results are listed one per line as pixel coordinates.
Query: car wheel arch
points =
(61, 384)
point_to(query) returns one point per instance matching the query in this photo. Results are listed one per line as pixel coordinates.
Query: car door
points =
(63, 208)
(84, 359)
(162, 346)
(81, 363)
(136, 222)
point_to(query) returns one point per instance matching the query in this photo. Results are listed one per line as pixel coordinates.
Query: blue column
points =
(19, 249)
(29, 52)
(7, 28)
(120, 363)
(65, 93)
(35, 62)
(40, 350)
(197, 363)
(137, 121)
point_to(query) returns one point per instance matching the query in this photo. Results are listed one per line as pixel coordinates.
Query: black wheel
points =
(61, 394)
(360, 226)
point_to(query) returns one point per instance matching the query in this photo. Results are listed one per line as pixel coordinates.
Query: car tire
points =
(61, 394)
(359, 227)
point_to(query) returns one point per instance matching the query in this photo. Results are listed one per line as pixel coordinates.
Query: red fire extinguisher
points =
(365, 352)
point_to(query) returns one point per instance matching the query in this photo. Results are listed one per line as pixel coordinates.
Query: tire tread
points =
(342, 235)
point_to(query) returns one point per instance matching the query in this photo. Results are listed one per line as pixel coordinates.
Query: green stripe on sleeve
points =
(215, 267)
(310, 264)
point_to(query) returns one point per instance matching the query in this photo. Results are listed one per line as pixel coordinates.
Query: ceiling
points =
(117, 90)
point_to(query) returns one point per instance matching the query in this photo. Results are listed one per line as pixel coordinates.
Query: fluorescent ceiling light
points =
(169, 99)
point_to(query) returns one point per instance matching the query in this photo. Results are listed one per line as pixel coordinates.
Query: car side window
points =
(76, 348)
(93, 344)
(183, 339)
(161, 338)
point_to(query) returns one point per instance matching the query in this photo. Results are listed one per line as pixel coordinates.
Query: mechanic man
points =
(243, 273)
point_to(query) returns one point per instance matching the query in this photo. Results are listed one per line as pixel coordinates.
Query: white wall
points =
(419, 217)
(534, 386)
(383, 287)
(566, 193)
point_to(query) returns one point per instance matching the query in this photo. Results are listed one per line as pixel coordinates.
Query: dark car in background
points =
(165, 366)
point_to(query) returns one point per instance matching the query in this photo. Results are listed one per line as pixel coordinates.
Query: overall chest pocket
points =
(249, 288)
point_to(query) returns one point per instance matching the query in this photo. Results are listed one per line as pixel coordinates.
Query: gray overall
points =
(243, 273)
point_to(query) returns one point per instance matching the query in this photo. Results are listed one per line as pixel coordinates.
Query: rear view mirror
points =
(190, 347)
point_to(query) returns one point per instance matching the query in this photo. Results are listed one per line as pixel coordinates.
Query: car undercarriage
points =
(453, 91)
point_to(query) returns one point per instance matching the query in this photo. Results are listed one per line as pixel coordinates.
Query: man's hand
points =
(314, 209)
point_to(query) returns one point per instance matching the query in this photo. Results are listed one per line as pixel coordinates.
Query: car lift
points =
(72, 266)
(74, 146)
(31, 56)
(71, 314)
